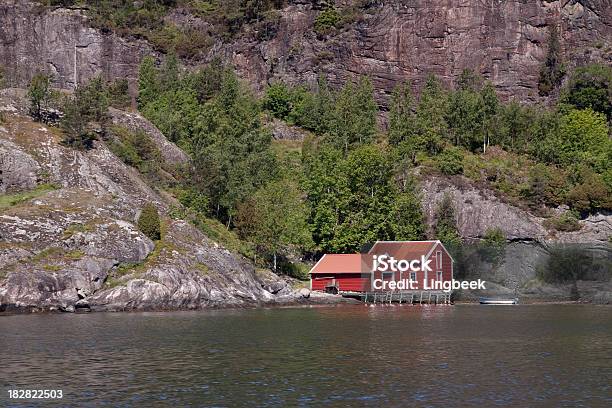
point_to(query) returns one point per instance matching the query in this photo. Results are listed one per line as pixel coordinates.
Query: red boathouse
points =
(421, 262)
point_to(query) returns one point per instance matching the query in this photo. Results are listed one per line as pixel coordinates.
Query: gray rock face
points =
(282, 131)
(478, 210)
(59, 42)
(388, 41)
(136, 122)
(77, 247)
(506, 41)
(17, 169)
(514, 272)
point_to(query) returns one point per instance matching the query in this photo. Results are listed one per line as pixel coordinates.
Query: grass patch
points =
(75, 255)
(10, 200)
(203, 269)
(51, 252)
(218, 232)
(76, 228)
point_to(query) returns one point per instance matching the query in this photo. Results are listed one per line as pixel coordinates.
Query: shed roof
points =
(341, 263)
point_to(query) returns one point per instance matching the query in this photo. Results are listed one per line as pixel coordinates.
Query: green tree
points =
(169, 74)
(278, 100)
(471, 112)
(450, 161)
(231, 149)
(491, 109)
(149, 222)
(275, 219)
(327, 191)
(401, 114)
(583, 137)
(119, 94)
(552, 71)
(40, 94)
(514, 126)
(446, 222)
(89, 104)
(403, 131)
(148, 82)
(590, 87)
(406, 216)
(431, 124)
(354, 121)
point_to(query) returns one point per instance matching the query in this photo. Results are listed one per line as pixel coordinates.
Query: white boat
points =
(489, 301)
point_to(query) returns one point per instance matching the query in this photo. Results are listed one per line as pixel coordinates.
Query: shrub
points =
(450, 161)
(565, 263)
(195, 200)
(590, 194)
(446, 222)
(590, 87)
(278, 100)
(546, 186)
(494, 236)
(493, 244)
(326, 21)
(566, 222)
(135, 149)
(149, 223)
(119, 94)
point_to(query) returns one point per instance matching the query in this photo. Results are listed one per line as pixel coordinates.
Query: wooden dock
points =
(418, 297)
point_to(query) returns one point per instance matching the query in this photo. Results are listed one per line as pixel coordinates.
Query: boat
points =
(490, 301)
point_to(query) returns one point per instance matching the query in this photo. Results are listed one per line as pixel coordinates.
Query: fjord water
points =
(462, 355)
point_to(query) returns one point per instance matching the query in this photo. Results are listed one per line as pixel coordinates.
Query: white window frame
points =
(439, 259)
(439, 276)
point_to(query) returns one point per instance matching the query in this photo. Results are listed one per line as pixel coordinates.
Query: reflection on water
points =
(336, 356)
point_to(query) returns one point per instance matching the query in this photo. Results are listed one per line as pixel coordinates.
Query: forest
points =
(354, 179)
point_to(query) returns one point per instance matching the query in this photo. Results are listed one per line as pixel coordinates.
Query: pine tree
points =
(552, 71)
(446, 222)
(148, 83)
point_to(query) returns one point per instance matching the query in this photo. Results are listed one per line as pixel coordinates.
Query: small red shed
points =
(340, 272)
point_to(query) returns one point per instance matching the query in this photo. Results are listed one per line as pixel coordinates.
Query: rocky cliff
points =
(388, 40)
(479, 210)
(68, 237)
(505, 40)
